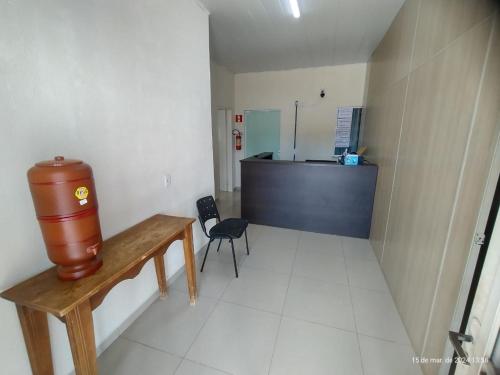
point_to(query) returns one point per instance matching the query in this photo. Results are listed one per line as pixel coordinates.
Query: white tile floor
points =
(304, 304)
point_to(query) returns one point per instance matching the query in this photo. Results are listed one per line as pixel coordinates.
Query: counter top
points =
(265, 157)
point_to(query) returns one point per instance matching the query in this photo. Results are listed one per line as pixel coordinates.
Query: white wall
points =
(222, 85)
(344, 86)
(123, 85)
(222, 80)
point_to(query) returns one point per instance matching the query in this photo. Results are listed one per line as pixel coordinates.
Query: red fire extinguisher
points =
(237, 139)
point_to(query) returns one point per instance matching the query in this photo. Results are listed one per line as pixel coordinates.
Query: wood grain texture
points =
(439, 108)
(189, 259)
(390, 62)
(121, 254)
(434, 181)
(481, 148)
(443, 21)
(80, 328)
(73, 301)
(385, 110)
(35, 329)
(160, 275)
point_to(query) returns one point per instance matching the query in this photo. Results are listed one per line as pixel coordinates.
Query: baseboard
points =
(139, 311)
(126, 323)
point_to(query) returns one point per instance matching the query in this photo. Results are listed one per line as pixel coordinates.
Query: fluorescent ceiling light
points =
(295, 8)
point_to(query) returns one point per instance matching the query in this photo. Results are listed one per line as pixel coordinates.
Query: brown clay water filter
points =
(66, 207)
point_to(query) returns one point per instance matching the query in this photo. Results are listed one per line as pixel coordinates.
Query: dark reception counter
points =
(315, 196)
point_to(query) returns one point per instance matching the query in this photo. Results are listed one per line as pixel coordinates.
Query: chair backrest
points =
(207, 210)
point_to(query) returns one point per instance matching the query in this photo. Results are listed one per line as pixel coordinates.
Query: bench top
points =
(120, 254)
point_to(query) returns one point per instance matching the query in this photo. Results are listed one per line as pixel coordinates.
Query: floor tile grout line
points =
(353, 312)
(266, 269)
(291, 316)
(217, 303)
(152, 347)
(323, 325)
(275, 343)
(283, 306)
(179, 365)
(346, 330)
(204, 365)
(184, 357)
(291, 275)
(387, 291)
(328, 282)
(250, 307)
(219, 299)
(276, 314)
(282, 273)
(388, 341)
(361, 288)
(181, 357)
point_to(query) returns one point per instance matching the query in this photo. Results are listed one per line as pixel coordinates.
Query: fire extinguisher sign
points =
(238, 118)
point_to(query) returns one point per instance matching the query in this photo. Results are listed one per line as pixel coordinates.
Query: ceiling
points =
(261, 35)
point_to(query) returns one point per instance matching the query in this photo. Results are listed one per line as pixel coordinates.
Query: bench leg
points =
(160, 275)
(190, 263)
(80, 327)
(36, 337)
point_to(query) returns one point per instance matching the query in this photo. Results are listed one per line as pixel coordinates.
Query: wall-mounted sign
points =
(343, 130)
(238, 118)
(347, 130)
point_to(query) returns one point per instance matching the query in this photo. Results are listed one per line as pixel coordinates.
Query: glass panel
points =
(262, 130)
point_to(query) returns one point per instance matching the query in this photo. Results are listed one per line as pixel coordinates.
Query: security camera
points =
(322, 93)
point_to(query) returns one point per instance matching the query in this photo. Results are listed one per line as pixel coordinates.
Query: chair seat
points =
(229, 228)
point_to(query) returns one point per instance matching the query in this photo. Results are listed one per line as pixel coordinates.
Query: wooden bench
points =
(72, 302)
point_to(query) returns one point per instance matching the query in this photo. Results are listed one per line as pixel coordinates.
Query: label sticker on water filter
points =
(81, 192)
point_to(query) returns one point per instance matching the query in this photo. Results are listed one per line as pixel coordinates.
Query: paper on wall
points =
(343, 131)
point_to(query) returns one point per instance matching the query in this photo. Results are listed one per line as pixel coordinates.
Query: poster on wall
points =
(343, 131)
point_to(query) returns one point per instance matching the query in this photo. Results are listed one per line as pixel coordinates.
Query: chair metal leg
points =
(234, 258)
(206, 253)
(246, 240)
(218, 247)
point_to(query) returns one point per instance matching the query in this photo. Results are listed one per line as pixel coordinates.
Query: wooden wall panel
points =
(483, 140)
(439, 108)
(388, 67)
(424, 79)
(390, 61)
(442, 21)
(386, 111)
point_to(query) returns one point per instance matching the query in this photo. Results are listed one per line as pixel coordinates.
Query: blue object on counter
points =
(353, 159)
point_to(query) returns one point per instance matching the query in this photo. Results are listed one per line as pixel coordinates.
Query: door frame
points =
(485, 298)
(225, 148)
(474, 256)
